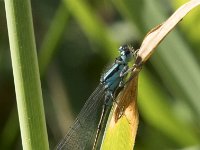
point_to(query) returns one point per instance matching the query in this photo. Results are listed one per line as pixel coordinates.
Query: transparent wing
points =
(84, 128)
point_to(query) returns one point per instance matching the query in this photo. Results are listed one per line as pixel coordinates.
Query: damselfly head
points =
(126, 52)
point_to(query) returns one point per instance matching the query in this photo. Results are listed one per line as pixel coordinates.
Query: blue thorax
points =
(112, 78)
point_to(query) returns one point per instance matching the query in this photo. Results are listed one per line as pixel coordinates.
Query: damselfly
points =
(90, 123)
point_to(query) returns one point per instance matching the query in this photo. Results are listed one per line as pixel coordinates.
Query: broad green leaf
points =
(121, 130)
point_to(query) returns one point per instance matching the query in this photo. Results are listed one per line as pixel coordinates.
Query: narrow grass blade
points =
(26, 75)
(52, 37)
(92, 25)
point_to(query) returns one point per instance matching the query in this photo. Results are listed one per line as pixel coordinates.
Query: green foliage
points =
(154, 101)
(79, 42)
(53, 37)
(120, 135)
(26, 75)
(190, 27)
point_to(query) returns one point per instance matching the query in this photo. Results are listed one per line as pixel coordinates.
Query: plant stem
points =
(26, 75)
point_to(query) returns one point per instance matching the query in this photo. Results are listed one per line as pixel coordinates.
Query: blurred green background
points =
(77, 39)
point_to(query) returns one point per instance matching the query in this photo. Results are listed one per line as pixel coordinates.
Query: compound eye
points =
(123, 48)
(127, 52)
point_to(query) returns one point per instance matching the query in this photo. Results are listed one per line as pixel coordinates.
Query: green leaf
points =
(121, 130)
(26, 75)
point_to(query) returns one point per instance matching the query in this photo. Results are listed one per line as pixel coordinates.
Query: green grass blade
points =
(156, 111)
(92, 26)
(26, 75)
(53, 36)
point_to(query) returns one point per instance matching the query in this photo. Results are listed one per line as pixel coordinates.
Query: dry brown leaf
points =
(157, 34)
